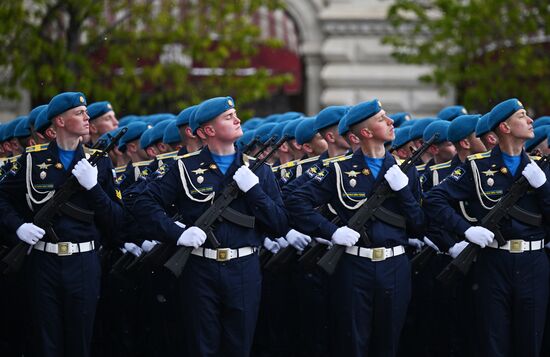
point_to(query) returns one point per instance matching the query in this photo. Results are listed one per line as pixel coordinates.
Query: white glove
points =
(396, 178)
(192, 237)
(29, 233)
(282, 242)
(133, 249)
(272, 246)
(297, 240)
(179, 224)
(345, 236)
(534, 174)
(547, 246)
(456, 249)
(245, 178)
(147, 245)
(431, 244)
(416, 243)
(323, 241)
(86, 174)
(479, 235)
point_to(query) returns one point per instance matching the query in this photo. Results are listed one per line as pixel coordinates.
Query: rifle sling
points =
(238, 218)
(524, 216)
(75, 212)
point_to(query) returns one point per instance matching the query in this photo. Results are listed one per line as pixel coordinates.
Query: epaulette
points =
(120, 169)
(189, 154)
(36, 148)
(421, 167)
(338, 158)
(289, 164)
(309, 159)
(443, 165)
(141, 163)
(167, 155)
(480, 155)
(535, 157)
(399, 161)
(14, 158)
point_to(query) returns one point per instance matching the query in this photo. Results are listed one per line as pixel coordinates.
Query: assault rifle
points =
(371, 209)
(58, 204)
(218, 210)
(463, 262)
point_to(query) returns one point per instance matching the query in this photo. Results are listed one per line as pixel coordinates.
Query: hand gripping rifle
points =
(463, 262)
(369, 210)
(218, 210)
(58, 204)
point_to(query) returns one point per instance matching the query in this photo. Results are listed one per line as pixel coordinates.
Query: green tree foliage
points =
(136, 54)
(489, 50)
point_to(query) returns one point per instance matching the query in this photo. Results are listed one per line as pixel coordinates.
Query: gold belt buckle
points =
(378, 254)
(222, 254)
(63, 249)
(516, 246)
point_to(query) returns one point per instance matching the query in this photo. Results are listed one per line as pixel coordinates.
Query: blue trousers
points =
(369, 305)
(64, 292)
(221, 302)
(511, 302)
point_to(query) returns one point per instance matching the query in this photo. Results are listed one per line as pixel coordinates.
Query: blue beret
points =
(42, 123)
(402, 136)
(290, 128)
(209, 110)
(171, 133)
(145, 140)
(462, 126)
(263, 131)
(277, 131)
(251, 123)
(289, 116)
(330, 116)
(451, 112)
(244, 140)
(154, 119)
(343, 127)
(417, 129)
(158, 132)
(503, 111)
(482, 126)
(400, 118)
(63, 102)
(2, 127)
(271, 118)
(540, 134)
(362, 111)
(305, 131)
(9, 132)
(541, 121)
(23, 128)
(439, 127)
(34, 113)
(407, 123)
(135, 130)
(184, 115)
(125, 120)
(95, 110)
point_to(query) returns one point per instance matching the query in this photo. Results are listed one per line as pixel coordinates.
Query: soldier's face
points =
(105, 123)
(381, 127)
(521, 125)
(227, 126)
(76, 121)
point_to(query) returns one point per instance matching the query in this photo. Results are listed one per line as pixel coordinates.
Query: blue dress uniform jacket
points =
(368, 299)
(63, 289)
(220, 298)
(512, 292)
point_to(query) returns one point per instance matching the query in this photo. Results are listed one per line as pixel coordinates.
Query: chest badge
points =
(213, 166)
(43, 166)
(43, 175)
(199, 171)
(490, 181)
(366, 172)
(504, 170)
(58, 166)
(200, 179)
(352, 173)
(352, 182)
(489, 172)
